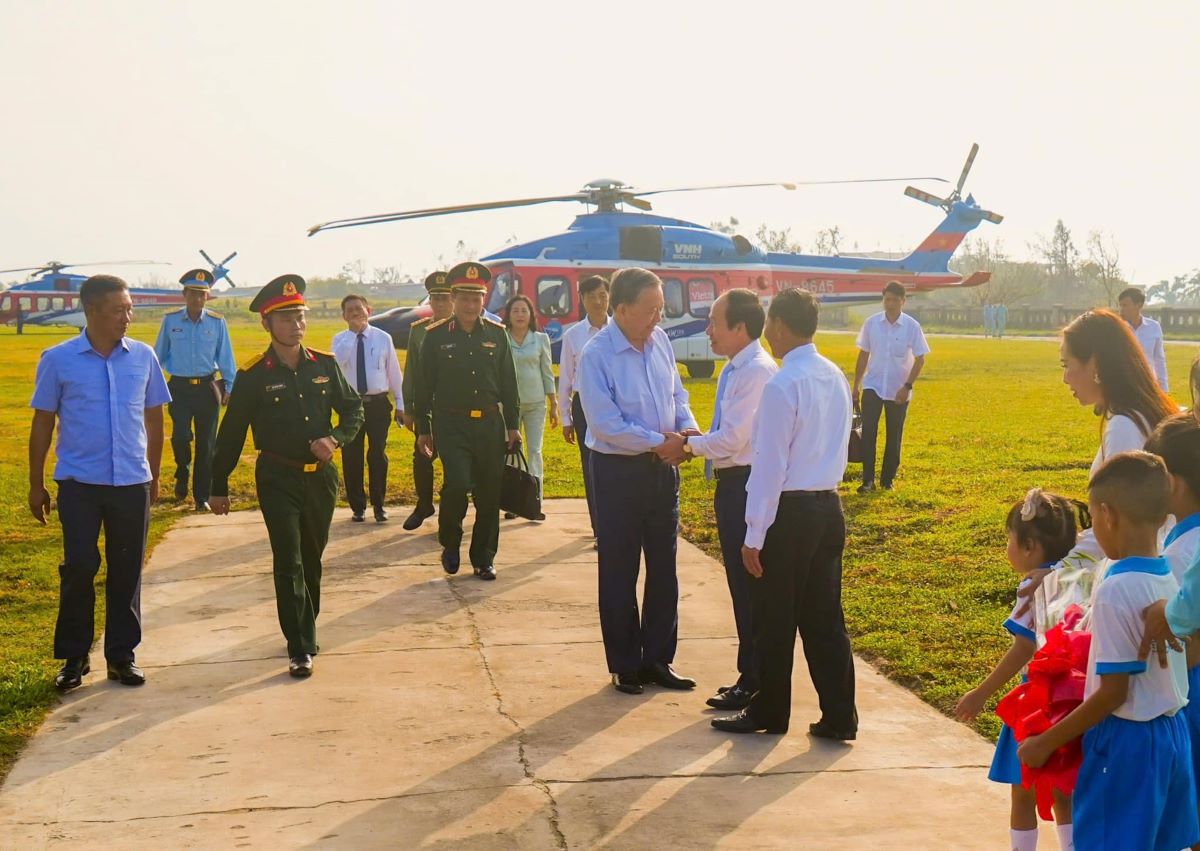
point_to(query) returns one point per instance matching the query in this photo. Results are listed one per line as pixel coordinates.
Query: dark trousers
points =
(637, 512)
(297, 508)
(729, 504)
(580, 422)
(872, 408)
(801, 590)
(193, 405)
(472, 453)
(377, 411)
(124, 513)
(423, 477)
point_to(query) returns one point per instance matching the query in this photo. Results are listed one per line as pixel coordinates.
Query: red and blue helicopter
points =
(696, 263)
(52, 298)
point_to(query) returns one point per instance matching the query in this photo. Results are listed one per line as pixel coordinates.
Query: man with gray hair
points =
(636, 411)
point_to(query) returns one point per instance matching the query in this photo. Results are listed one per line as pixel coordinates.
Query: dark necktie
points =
(361, 376)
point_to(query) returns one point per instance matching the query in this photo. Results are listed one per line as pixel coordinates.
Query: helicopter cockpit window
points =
(673, 298)
(702, 292)
(554, 296)
(502, 291)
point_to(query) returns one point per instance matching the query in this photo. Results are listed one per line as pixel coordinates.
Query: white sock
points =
(1066, 837)
(1023, 840)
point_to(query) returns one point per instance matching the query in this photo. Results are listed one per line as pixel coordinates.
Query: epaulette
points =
(491, 321)
(321, 352)
(213, 313)
(250, 363)
(421, 321)
(439, 323)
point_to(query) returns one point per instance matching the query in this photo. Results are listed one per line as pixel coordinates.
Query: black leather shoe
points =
(202, 507)
(508, 515)
(734, 698)
(662, 674)
(487, 572)
(380, 515)
(540, 516)
(301, 665)
(743, 723)
(866, 487)
(450, 561)
(627, 683)
(824, 730)
(418, 517)
(358, 517)
(72, 673)
(126, 673)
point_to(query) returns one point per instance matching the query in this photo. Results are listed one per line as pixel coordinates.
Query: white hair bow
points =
(1032, 500)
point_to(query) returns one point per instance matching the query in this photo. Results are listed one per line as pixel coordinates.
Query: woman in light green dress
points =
(535, 380)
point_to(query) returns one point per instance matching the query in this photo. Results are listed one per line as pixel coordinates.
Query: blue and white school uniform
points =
(1006, 768)
(1181, 549)
(1135, 787)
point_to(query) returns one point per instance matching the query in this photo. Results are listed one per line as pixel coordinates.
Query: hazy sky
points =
(146, 129)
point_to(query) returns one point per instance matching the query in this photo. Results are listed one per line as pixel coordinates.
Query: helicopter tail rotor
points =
(956, 195)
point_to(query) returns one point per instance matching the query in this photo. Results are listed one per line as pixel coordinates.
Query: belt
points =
(729, 472)
(473, 413)
(807, 494)
(374, 397)
(203, 379)
(292, 462)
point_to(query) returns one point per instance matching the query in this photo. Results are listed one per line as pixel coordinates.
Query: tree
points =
(729, 228)
(1180, 291)
(1061, 255)
(385, 275)
(1012, 282)
(1102, 269)
(829, 241)
(354, 271)
(776, 240)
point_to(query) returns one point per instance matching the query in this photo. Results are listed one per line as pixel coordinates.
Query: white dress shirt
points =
(383, 367)
(573, 341)
(728, 442)
(800, 436)
(631, 397)
(893, 348)
(1150, 335)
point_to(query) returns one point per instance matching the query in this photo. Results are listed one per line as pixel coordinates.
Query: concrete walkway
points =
(459, 714)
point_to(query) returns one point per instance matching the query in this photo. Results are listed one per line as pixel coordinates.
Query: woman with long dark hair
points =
(1106, 369)
(535, 379)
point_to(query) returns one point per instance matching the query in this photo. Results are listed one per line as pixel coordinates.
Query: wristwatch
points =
(687, 447)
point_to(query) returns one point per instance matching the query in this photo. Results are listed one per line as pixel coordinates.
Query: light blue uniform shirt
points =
(535, 373)
(630, 398)
(195, 349)
(100, 403)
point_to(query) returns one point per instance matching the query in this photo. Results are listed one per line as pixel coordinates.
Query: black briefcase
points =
(854, 451)
(520, 491)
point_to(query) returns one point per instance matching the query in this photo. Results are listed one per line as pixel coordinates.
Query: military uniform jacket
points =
(286, 410)
(412, 362)
(463, 371)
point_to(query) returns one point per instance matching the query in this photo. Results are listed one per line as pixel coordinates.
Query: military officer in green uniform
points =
(440, 301)
(287, 396)
(466, 408)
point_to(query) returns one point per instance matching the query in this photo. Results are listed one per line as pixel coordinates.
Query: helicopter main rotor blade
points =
(23, 269)
(227, 259)
(59, 266)
(207, 259)
(962, 178)
(786, 185)
(442, 211)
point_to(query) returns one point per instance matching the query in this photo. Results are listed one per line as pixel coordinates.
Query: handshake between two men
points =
(673, 450)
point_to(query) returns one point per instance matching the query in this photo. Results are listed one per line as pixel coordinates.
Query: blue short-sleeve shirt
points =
(100, 403)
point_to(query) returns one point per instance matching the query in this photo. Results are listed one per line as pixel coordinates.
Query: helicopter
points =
(52, 298)
(696, 263)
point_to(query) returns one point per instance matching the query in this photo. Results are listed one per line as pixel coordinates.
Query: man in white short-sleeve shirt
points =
(891, 355)
(1149, 333)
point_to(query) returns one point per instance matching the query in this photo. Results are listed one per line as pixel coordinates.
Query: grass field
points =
(926, 583)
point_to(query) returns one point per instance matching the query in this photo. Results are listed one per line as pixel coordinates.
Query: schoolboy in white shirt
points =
(1135, 787)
